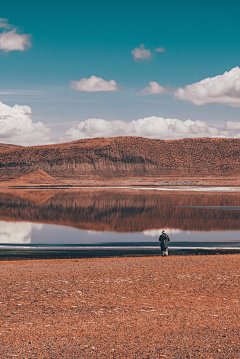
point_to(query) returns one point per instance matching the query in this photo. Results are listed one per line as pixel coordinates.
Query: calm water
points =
(113, 217)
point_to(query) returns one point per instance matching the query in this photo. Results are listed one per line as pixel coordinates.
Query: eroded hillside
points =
(121, 157)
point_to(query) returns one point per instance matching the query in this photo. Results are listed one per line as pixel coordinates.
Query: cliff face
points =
(120, 156)
(125, 211)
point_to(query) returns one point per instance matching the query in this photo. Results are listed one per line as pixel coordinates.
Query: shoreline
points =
(43, 254)
(183, 188)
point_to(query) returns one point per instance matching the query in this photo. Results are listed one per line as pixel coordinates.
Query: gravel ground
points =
(148, 307)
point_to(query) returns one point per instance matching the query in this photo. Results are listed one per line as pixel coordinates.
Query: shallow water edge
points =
(43, 254)
(155, 188)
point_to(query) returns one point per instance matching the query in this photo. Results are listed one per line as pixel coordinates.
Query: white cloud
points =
(153, 87)
(18, 92)
(232, 125)
(16, 126)
(17, 232)
(4, 23)
(224, 89)
(151, 127)
(159, 49)
(141, 53)
(94, 84)
(10, 41)
(233, 128)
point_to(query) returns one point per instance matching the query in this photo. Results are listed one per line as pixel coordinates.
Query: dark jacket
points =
(164, 239)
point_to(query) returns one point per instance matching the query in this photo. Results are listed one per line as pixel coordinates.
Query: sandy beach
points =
(142, 307)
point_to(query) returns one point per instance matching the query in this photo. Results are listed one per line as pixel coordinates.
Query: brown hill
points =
(6, 145)
(38, 178)
(120, 159)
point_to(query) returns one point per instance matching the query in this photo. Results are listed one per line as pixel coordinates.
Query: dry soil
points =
(153, 307)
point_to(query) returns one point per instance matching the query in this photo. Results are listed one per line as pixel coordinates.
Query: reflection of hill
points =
(38, 197)
(124, 211)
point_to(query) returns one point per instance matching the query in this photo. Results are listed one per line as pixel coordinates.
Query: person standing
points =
(164, 239)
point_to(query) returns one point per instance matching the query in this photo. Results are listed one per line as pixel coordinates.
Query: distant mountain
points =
(128, 160)
(6, 145)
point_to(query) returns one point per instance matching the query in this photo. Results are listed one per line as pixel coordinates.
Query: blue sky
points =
(72, 40)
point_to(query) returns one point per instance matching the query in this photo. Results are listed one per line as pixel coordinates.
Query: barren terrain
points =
(124, 161)
(154, 307)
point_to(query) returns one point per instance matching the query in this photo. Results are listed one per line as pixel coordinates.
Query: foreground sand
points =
(152, 307)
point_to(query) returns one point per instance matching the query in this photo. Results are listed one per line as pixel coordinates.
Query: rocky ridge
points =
(126, 157)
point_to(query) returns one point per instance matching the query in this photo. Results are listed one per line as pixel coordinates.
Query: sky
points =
(78, 69)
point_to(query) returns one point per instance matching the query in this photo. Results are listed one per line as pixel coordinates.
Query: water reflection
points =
(157, 232)
(124, 211)
(45, 235)
(17, 232)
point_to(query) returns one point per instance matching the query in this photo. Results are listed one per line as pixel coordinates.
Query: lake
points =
(95, 218)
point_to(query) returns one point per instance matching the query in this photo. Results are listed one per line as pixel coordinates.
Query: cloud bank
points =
(16, 127)
(141, 53)
(223, 89)
(11, 40)
(151, 127)
(153, 87)
(94, 84)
